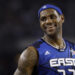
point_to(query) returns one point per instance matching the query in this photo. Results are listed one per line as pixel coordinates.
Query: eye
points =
(43, 18)
(53, 16)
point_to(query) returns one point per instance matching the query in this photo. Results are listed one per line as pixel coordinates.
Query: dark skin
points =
(51, 24)
(27, 61)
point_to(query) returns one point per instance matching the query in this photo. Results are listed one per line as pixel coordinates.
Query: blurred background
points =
(19, 27)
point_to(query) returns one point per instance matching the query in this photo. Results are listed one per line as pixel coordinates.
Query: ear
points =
(62, 18)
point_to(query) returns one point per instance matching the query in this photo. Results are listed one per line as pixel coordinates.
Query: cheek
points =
(57, 23)
(60, 24)
(58, 19)
(42, 25)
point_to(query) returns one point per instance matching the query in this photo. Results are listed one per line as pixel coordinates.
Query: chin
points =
(50, 33)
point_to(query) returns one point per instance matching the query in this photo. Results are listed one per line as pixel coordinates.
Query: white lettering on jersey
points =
(62, 61)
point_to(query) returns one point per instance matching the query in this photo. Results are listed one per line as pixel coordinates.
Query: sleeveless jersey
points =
(53, 61)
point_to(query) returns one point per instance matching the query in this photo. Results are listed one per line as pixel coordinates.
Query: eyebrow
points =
(48, 15)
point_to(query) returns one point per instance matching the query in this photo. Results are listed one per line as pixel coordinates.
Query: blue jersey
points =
(53, 61)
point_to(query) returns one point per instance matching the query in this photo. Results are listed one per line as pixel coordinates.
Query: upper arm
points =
(28, 60)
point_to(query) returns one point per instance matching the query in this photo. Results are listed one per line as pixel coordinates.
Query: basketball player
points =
(52, 54)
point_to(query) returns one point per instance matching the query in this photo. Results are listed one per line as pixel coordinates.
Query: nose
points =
(49, 21)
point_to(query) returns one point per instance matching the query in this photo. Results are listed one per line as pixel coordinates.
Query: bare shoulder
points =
(28, 60)
(29, 55)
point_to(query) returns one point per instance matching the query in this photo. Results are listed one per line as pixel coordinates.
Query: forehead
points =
(48, 12)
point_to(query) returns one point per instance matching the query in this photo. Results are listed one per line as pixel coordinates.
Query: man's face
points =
(50, 21)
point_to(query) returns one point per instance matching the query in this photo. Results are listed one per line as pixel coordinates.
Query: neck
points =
(56, 41)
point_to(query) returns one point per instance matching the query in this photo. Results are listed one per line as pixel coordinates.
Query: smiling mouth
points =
(52, 25)
(50, 28)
